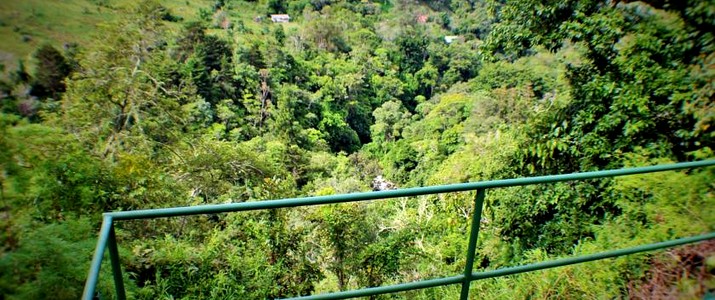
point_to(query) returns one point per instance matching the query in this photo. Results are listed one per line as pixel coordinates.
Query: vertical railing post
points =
(116, 266)
(96, 264)
(472, 248)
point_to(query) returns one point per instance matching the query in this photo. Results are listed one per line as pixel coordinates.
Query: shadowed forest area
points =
(110, 105)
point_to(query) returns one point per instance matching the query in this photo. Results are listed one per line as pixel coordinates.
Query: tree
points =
(326, 34)
(413, 51)
(630, 97)
(119, 100)
(51, 71)
(359, 119)
(516, 33)
(338, 134)
(277, 6)
(390, 118)
(345, 237)
(208, 62)
(627, 97)
(427, 78)
(294, 113)
(400, 160)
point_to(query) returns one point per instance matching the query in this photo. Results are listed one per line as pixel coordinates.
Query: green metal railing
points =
(107, 238)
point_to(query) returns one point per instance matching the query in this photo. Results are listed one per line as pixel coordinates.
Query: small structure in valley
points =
(381, 184)
(451, 38)
(280, 18)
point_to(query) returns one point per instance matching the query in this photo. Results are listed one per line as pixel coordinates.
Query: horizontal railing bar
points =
(386, 289)
(96, 264)
(591, 257)
(460, 187)
(511, 270)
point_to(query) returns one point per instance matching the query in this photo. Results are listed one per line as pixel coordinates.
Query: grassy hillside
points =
(27, 24)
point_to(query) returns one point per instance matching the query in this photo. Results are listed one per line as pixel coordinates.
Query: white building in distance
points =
(280, 18)
(451, 38)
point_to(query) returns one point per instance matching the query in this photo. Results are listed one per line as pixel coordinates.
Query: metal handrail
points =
(107, 238)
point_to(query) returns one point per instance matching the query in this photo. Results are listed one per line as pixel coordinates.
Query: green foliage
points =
(277, 6)
(626, 97)
(339, 135)
(649, 215)
(400, 160)
(345, 237)
(162, 112)
(390, 118)
(413, 46)
(50, 261)
(219, 171)
(229, 263)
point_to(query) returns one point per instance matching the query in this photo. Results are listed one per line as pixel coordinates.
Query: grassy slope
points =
(63, 21)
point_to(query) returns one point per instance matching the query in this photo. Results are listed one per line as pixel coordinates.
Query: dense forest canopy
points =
(110, 105)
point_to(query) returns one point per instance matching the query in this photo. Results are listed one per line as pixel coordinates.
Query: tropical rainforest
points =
(114, 105)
